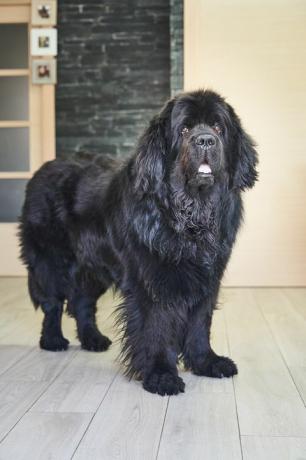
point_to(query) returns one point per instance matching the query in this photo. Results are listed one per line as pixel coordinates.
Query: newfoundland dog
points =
(159, 226)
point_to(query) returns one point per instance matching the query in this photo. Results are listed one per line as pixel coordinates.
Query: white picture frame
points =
(44, 71)
(44, 12)
(44, 42)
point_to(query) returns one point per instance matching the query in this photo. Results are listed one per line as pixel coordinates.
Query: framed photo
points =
(44, 71)
(44, 12)
(44, 42)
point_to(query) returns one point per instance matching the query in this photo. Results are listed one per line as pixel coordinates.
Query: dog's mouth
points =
(204, 176)
(205, 170)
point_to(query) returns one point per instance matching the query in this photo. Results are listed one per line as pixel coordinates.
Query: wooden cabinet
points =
(27, 125)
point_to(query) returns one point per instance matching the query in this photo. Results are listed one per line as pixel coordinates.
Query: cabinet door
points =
(23, 142)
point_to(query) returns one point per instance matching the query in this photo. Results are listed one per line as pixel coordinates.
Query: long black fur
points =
(153, 226)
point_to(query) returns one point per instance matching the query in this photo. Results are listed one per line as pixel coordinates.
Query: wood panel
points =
(288, 326)
(14, 124)
(9, 248)
(269, 448)
(131, 421)
(49, 436)
(15, 2)
(16, 399)
(48, 122)
(14, 72)
(14, 14)
(253, 53)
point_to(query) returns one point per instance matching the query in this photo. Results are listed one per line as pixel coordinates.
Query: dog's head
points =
(197, 139)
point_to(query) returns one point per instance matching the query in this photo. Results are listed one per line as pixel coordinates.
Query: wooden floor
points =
(77, 404)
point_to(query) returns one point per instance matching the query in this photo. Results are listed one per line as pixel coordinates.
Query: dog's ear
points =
(245, 174)
(152, 151)
(244, 160)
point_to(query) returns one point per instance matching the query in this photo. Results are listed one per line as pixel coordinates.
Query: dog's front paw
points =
(216, 366)
(93, 340)
(55, 343)
(164, 383)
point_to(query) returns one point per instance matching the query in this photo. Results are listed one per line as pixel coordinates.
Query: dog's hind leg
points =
(85, 290)
(51, 335)
(52, 306)
(84, 309)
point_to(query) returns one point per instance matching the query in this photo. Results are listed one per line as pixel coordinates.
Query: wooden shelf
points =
(13, 12)
(15, 175)
(14, 72)
(15, 2)
(14, 124)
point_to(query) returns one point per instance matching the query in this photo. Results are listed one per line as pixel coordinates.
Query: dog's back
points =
(47, 218)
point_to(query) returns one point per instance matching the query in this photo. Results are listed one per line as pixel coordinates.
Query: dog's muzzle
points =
(205, 141)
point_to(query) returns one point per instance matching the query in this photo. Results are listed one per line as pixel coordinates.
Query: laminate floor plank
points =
(273, 448)
(268, 402)
(44, 436)
(82, 385)
(127, 425)
(15, 400)
(39, 366)
(202, 423)
(11, 354)
(287, 322)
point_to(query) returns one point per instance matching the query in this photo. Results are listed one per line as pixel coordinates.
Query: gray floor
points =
(77, 404)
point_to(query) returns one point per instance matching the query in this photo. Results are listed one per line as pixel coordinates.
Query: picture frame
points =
(44, 12)
(44, 42)
(44, 71)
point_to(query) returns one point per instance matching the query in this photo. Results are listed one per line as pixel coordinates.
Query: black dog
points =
(159, 227)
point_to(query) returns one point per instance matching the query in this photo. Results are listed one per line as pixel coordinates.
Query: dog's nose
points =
(206, 140)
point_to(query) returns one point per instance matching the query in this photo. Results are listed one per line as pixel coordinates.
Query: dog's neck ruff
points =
(197, 219)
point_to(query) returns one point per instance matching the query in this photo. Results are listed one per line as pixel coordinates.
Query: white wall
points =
(254, 53)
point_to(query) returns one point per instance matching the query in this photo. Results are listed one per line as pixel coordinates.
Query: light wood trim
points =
(14, 2)
(15, 14)
(14, 72)
(15, 175)
(41, 126)
(48, 122)
(9, 247)
(14, 124)
(36, 127)
(42, 116)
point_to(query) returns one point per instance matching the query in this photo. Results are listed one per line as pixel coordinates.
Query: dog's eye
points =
(217, 128)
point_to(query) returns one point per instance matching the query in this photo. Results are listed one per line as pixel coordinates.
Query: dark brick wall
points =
(113, 72)
(176, 46)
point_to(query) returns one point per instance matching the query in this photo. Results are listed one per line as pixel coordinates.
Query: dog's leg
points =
(84, 310)
(161, 375)
(51, 335)
(198, 354)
